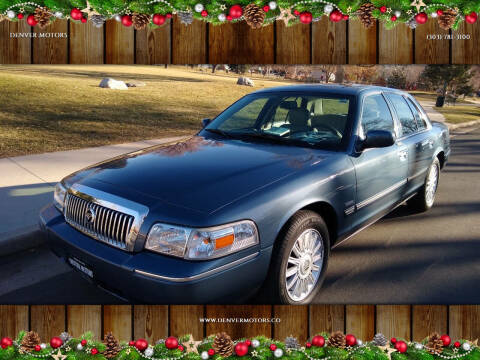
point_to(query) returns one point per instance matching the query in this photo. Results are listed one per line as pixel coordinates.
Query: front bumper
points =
(153, 278)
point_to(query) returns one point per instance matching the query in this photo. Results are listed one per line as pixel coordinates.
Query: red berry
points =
(20, 16)
(211, 352)
(439, 12)
(94, 351)
(393, 340)
(181, 348)
(401, 346)
(169, 16)
(204, 13)
(6, 342)
(296, 12)
(84, 20)
(456, 344)
(383, 9)
(393, 18)
(4, 346)
(229, 17)
(266, 8)
(84, 342)
(37, 348)
(248, 342)
(273, 347)
(345, 17)
(308, 345)
(131, 343)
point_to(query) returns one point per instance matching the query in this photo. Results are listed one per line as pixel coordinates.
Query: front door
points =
(381, 173)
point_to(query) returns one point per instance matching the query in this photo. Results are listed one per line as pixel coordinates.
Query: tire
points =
(425, 197)
(307, 230)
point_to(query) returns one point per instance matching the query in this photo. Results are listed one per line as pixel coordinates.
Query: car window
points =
(246, 117)
(376, 114)
(407, 120)
(421, 123)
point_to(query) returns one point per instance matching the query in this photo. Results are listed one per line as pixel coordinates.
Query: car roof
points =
(338, 89)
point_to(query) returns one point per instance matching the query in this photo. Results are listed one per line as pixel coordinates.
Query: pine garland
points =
(259, 348)
(217, 11)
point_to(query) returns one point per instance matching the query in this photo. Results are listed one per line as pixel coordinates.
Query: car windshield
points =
(298, 119)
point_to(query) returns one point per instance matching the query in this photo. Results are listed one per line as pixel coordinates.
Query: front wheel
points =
(425, 198)
(300, 259)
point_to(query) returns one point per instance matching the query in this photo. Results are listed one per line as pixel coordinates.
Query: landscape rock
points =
(134, 83)
(110, 83)
(245, 81)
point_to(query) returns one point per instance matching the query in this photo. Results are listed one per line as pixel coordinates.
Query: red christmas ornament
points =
(56, 342)
(38, 348)
(84, 342)
(308, 345)
(204, 13)
(266, 8)
(273, 347)
(76, 14)
(446, 340)
(142, 344)
(84, 20)
(456, 344)
(336, 16)
(471, 18)
(236, 11)
(181, 348)
(211, 352)
(248, 342)
(421, 18)
(131, 343)
(6, 342)
(171, 342)
(306, 17)
(169, 16)
(241, 349)
(296, 12)
(439, 12)
(229, 17)
(159, 19)
(350, 339)
(318, 341)
(345, 17)
(20, 16)
(127, 20)
(401, 346)
(393, 18)
(383, 9)
(393, 340)
(94, 351)
(31, 20)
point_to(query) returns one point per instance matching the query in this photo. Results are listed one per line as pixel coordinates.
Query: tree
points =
(397, 79)
(444, 78)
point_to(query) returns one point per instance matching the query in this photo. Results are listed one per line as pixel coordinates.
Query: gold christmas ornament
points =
(191, 345)
(418, 4)
(59, 356)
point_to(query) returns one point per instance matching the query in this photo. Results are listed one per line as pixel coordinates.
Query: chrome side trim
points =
(417, 174)
(381, 194)
(199, 276)
(350, 210)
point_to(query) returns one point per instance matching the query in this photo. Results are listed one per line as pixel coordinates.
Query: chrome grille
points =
(110, 226)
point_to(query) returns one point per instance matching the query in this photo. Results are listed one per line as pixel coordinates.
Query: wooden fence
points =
(321, 42)
(157, 321)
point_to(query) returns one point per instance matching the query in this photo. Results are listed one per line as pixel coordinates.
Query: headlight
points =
(59, 196)
(201, 244)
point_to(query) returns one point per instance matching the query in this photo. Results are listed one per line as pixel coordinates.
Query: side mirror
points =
(205, 122)
(378, 139)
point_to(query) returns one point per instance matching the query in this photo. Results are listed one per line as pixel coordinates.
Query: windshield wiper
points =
(220, 132)
(276, 138)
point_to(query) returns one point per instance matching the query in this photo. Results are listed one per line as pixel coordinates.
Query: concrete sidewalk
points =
(27, 184)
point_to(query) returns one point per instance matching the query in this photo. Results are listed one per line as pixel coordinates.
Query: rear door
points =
(381, 173)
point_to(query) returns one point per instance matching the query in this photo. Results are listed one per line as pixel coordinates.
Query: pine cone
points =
(42, 15)
(337, 339)
(140, 21)
(365, 14)
(98, 20)
(447, 19)
(254, 16)
(291, 343)
(186, 17)
(223, 344)
(113, 347)
(379, 340)
(434, 344)
(29, 341)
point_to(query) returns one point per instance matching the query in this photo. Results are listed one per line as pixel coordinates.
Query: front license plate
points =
(81, 266)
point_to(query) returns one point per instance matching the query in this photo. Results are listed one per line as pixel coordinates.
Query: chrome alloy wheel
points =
(431, 185)
(304, 265)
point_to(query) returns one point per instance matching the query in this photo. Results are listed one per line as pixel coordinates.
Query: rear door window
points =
(404, 114)
(376, 114)
(421, 124)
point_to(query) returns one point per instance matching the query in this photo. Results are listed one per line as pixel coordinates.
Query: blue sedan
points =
(259, 196)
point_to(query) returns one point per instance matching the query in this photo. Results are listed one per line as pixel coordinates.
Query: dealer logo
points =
(90, 215)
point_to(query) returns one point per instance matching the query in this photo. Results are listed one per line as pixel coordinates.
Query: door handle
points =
(427, 142)
(402, 154)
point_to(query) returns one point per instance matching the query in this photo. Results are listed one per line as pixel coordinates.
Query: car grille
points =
(99, 222)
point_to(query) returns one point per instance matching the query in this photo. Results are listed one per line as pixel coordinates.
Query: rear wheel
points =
(425, 198)
(300, 259)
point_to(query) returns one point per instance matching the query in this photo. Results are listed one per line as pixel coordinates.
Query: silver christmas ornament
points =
(278, 353)
(418, 346)
(222, 17)
(11, 14)
(359, 342)
(466, 346)
(434, 14)
(161, 341)
(204, 355)
(397, 13)
(272, 5)
(255, 343)
(328, 8)
(148, 352)
(79, 347)
(43, 346)
(199, 7)
(58, 14)
(118, 18)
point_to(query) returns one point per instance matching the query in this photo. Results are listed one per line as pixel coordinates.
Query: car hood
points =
(201, 174)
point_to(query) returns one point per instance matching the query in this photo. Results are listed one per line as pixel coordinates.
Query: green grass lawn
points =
(460, 113)
(52, 108)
